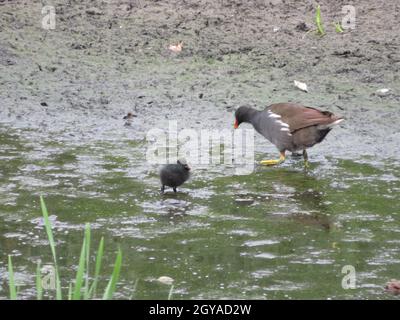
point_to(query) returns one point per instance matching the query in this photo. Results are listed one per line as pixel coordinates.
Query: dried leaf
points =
(301, 85)
(176, 48)
(382, 92)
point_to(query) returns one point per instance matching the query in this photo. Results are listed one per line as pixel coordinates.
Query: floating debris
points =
(176, 48)
(244, 201)
(382, 92)
(301, 85)
(94, 11)
(166, 280)
(302, 26)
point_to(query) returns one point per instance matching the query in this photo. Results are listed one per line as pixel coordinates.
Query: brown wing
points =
(298, 116)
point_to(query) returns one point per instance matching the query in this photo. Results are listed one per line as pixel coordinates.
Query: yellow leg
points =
(305, 156)
(274, 162)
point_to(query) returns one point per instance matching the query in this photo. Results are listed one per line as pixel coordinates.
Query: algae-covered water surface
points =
(331, 231)
(291, 238)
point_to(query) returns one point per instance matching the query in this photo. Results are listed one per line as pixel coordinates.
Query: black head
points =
(243, 114)
(184, 164)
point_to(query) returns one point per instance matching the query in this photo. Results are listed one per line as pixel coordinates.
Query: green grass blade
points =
(70, 292)
(87, 256)
(58, 286)
(99, 258)
(338, 28)
(79, 273)
(134, 289)
(108, 293)
(39, 288)
(11, 282)
(49, 232)
(170, 292)
(318, 21)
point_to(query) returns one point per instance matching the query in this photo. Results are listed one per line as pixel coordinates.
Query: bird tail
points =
(335, 122)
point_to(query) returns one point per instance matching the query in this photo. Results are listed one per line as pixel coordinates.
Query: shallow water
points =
(276, 233)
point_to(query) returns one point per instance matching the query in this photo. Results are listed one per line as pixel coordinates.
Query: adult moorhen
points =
(174, 175)
(289, 126)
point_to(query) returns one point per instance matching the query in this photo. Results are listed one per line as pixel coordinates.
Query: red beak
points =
(236, 124)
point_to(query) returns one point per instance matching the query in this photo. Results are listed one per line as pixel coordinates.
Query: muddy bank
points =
(107, 57)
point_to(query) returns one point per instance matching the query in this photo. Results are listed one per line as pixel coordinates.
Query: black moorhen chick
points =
(174, 175)
(129, 118)
(289, 126)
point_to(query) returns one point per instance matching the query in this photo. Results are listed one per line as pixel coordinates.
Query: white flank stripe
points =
(282, 123)
(273, 115)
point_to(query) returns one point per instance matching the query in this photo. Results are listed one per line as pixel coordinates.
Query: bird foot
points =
(270, 162)
(273, 162)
